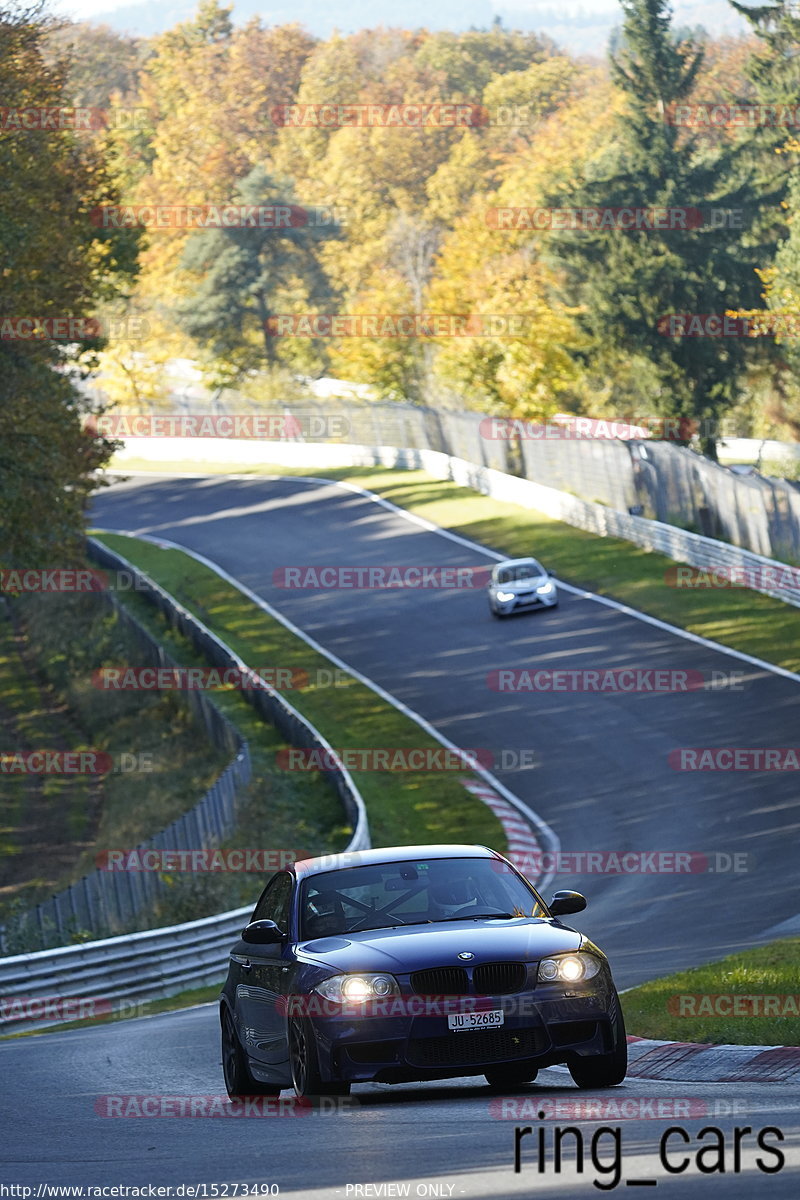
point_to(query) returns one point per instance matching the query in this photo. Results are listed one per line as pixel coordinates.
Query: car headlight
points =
(568, 968)
(355, 989)
(503, 596)
(546, 589)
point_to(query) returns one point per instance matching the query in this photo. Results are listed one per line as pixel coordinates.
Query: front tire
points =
(603, 1070)
(238, 1080)
(304, 1063)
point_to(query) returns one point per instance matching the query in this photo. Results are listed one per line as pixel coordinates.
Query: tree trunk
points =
(708, 445)
(263, 316)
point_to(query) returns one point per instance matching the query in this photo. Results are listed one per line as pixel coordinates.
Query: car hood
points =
(399, 951)
(522, 585)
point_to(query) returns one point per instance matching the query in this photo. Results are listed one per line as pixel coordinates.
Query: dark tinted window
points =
(516, 574)
(274, 904)
(413, 892)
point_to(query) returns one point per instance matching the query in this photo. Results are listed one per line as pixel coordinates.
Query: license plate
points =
(491, 1018)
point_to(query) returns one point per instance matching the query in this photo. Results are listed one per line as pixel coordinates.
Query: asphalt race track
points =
(600, 777)
(422, 1135)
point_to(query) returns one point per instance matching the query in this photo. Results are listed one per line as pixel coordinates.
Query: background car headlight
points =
(568, 968)
(504, 596)
(352, 989)
(546, 589)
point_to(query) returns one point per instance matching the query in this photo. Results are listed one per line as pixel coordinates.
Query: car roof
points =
(516, 562)
(388, 854)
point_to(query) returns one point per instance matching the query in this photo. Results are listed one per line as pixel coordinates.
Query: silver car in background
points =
(518, 584)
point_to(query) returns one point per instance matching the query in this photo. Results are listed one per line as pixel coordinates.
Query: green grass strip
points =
(128, 1010)
(767, 1012)
(404, 807)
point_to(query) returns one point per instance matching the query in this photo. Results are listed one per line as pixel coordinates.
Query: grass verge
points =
(35, 811)
(768, 1008)
(129, 1010)
(51, 822)
(162, 760)
(404, 807)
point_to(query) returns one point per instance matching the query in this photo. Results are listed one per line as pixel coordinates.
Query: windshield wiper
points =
(395, 923)
(484, 917)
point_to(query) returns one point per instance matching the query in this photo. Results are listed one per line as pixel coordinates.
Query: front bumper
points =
(550, 1026)
(524, 602)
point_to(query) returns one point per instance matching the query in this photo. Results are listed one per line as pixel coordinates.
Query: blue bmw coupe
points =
(414, 963)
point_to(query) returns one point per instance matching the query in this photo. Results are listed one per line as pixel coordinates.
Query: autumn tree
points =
(101, 63)
(628, 281)
(468, 61)
(54, 263)
(207, 93)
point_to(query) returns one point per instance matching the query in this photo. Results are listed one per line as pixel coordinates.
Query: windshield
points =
(413, 893)
(520, 571)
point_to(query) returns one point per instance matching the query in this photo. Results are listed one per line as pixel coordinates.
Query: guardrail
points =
(268, 702)
(601, 462)
(757, 450)
(755, 571)
(161, 962)
(115, 974)
(104, 902)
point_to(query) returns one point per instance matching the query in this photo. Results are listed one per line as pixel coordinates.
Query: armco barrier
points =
(161, 962)
(678, 544)
(602, 462)
(105, 902)
(131, 969)
(268, 702)
(755, 450)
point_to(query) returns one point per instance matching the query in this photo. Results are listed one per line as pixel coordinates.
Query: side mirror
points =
(566, 902)
(262, 933)
(553, 574)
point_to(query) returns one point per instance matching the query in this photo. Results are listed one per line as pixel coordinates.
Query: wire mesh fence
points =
(655, 479)
(105, 901)
(266, 700)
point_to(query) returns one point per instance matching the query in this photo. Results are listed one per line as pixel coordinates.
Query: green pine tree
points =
(242, 273)
(628, 281)
(774, 74)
